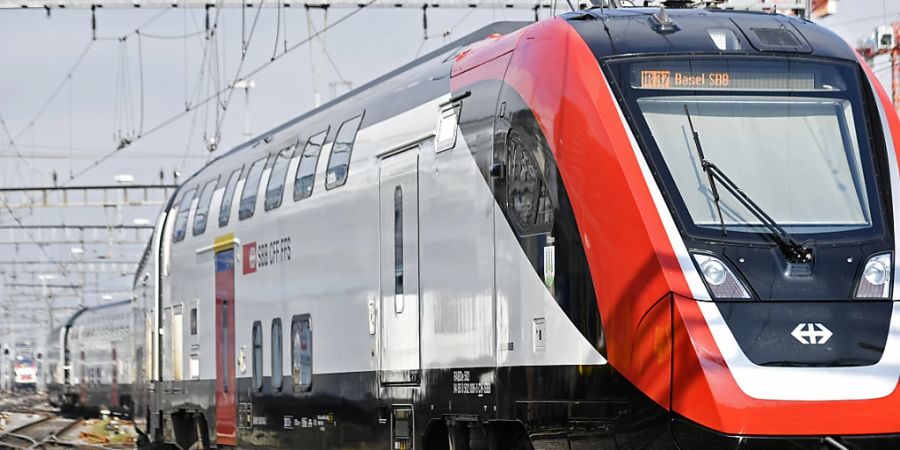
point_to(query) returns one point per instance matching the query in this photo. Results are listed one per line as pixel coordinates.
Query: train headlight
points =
(720, 280)
(714, 272)
(875, 281)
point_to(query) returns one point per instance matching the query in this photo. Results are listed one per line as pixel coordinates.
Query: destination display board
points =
(735, 76)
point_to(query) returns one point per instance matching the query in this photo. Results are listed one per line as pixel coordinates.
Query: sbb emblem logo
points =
(812, 333)
(249, 258)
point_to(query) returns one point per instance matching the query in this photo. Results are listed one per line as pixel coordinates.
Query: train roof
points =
(614, 32)
(428, 67)
(475, 36)
(610, 32)
(97, 308)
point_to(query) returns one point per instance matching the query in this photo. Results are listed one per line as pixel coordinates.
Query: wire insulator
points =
(425, 20)
(94, 22)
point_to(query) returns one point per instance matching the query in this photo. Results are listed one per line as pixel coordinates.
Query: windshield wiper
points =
(709, 174)
(793, 251)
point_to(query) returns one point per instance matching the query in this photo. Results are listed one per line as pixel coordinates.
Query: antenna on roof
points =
(662, 22)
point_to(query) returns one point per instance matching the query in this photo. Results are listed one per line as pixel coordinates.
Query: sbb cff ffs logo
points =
(266, 254)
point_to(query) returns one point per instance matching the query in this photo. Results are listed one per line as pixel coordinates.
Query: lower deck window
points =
(276, 354)
(257, 355)
(301, 352)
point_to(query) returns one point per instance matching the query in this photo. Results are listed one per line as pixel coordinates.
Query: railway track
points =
(43, 433)
(22, 402)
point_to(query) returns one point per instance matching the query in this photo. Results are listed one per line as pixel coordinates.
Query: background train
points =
(617, 228)
(25, 373)
(91, 366)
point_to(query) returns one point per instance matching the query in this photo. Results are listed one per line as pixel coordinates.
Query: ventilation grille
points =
(678, 4)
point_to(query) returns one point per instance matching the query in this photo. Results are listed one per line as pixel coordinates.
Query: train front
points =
(733, 177)
(771, 163)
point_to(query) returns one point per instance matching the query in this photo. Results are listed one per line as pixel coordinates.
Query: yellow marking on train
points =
(224, 242)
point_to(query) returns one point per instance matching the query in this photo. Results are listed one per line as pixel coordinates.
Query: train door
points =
(177, 331)
(82, 382)
(399, 360)
(114, 382)
(226, 389)
(166, 359)
(194, 356)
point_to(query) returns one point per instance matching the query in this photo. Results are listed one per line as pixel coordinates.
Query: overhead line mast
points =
(885, 41)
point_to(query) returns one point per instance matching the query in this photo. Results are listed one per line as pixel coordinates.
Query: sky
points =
(149, 69)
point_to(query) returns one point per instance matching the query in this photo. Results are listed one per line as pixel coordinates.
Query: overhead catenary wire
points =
(12, 144)
(55, 91)
(245, 45)
(31, 238)
(277, 29)
(123, 103)
(73, 69)
(330, 59)
(163, 124)
(860, 19)
(449, 31)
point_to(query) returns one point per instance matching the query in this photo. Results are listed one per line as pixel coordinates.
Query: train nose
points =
(795, 371)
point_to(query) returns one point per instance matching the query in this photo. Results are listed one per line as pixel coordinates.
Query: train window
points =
(251, 186)
(225, 351)
(306, 170)
(257, 355)
(527, 196)
(177, 342)
(276, 355)
(339, 160)
(202, 212)
(228, 196)
(275, 188)
(181, 218)
(398, 250)
(446, 131)
(193, 321)
(301, 352)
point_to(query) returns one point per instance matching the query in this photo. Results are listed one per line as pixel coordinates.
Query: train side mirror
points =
(498, 170)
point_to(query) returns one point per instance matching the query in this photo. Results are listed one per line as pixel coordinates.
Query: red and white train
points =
(24, 373)
(620, 228)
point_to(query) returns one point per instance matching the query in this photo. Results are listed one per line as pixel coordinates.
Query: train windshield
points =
(790, 134)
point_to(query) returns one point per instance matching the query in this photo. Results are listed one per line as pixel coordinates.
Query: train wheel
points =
(201, 434)
(509, 436)
(467, 436)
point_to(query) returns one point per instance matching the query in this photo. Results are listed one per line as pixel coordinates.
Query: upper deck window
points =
(181, 218)
(306, 170)
(339, 160)
(227, 197)
(251, 186)
(277, 177)
(200, 216)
